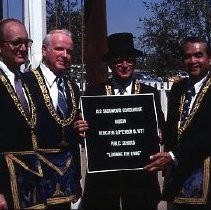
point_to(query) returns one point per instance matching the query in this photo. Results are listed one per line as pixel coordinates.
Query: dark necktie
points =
(62, 103)
(189, 94)
(20, 93)
(122, 90)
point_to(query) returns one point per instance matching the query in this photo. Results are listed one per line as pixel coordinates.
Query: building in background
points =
(1, 9)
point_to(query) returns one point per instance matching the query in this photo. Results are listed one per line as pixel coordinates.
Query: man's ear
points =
(44, 48)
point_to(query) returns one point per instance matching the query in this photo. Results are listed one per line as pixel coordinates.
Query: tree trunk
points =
(95, 40)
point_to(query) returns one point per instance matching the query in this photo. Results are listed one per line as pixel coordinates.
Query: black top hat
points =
(121, 44)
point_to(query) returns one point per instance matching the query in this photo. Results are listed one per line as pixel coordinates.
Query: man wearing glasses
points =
(20, 169)
(126, 189)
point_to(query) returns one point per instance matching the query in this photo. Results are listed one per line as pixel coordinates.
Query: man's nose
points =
(193, 59)
(23, 47)
(65, 53)
(124, 64)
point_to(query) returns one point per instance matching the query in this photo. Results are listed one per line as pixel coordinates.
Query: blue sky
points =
(122, 15)
(14, 8)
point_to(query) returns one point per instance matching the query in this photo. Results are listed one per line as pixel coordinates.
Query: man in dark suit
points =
(188, 145)
(18, 177)
(121, 189)
(56, 98)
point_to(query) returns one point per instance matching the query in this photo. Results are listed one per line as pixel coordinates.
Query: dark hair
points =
(193, 39)
(3, 22)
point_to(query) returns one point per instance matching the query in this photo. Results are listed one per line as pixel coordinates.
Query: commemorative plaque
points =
(122, 131)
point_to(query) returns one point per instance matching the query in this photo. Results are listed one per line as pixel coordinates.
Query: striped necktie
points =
(62, 103)
(189, 94)
(122, 90)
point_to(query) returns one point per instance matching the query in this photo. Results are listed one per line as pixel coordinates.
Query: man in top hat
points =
(123, 189)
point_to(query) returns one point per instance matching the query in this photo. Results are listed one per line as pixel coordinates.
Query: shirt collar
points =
(6, 70)
(50, 77)
(199, 84)
(118, 85)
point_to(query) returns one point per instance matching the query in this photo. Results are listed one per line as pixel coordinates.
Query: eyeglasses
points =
(17, 43)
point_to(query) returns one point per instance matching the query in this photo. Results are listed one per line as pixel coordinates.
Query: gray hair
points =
(46, 40)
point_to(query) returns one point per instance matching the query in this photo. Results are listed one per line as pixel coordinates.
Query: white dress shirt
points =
(11, 76)
(117, 86)
(197, 87)
(50, 79)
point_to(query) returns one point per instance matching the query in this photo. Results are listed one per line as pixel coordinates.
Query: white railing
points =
(163, 88)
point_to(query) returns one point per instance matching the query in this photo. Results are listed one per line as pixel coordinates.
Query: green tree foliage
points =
(171, 22)
(66, 14)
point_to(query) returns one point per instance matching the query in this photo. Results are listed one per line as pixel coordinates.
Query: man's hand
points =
(159, 162)
(3, 202)
(80, 126)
